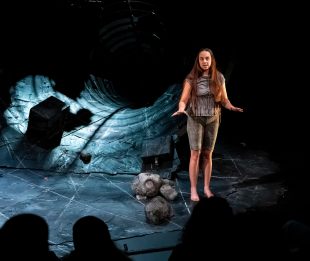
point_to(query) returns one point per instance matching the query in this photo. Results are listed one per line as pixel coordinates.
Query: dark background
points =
(260, 48)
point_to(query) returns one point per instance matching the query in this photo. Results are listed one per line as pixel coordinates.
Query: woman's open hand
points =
(179, 113)
(233, 108)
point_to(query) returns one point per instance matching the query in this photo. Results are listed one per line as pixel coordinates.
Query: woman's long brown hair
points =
(215, 77)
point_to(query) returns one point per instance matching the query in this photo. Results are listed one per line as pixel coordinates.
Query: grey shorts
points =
(202, 131)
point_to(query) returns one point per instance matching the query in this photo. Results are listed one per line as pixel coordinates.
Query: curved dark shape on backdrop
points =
(140, 46)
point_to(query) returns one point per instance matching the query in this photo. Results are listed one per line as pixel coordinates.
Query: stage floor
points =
(57, 185)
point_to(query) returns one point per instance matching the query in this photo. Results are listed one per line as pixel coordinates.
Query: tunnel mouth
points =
(138, 76)
(131, 50)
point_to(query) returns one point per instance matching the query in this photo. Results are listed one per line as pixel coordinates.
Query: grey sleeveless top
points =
(206, 105)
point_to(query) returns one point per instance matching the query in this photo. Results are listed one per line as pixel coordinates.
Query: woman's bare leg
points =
(207, 169)
(193, 173)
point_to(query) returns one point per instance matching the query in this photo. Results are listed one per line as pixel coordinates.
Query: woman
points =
(204, 92)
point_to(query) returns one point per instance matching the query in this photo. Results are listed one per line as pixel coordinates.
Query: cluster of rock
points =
(157, 193)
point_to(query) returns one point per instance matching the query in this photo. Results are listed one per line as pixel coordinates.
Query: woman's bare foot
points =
(194, 195)
(208, 193)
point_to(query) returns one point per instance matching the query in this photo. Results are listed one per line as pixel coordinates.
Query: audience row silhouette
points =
(92, 241)
(25, 237)
(212, 230)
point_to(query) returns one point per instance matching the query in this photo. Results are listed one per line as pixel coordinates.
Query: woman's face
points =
(204, 60)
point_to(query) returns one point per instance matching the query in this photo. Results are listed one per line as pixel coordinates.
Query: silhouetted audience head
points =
(25, 237)
(296, 236)
(92, 241)
(208, 231)
(210, 216)
(92, 233)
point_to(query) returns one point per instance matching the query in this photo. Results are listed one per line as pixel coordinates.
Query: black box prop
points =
(157, 153)
(46, 123)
